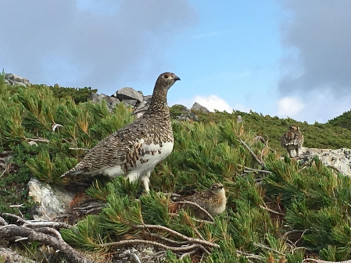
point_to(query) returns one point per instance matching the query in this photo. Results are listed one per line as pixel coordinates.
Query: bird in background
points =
(292, 140)
(134, 151)
(212, 200)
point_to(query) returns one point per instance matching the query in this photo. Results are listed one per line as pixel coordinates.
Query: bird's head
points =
(217, 187)
(294, 128)
(166, 80)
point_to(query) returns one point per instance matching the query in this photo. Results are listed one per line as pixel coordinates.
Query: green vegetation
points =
(343, 120)
(281, 214)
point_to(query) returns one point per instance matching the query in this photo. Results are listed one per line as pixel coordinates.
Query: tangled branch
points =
(44, 232)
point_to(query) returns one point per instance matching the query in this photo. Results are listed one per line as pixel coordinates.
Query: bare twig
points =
(197, 206)
(35, 224)
(268, 248)
(249, 256)
(3, 222)
(16, 206)
(79, 149)
(37, 140)
(252, 153)
(155, 244)
(177, 234)
(248, 169)
(313, 260)
(49, 231)
(169, 241)
(10, 231)
(271, 210)
(18, 218)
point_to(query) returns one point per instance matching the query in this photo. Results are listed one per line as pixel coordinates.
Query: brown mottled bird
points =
(212, 200)
(292, 140)
(137, 148)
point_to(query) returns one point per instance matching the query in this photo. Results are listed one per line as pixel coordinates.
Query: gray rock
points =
(51, 202)
(198, 107)
(13, 79)
(189, 116)
(182, 113)
(143, 106)
(132, 103)
(339, 159)
(128, 94)
(110, 101)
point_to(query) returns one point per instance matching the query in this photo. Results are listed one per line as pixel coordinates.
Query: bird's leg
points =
(145, 178)
(132, 177)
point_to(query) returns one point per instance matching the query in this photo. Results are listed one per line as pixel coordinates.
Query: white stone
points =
(51, 202)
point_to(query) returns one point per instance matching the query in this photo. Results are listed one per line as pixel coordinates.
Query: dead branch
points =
(169, 241)
(10, 231)
(248, 169)
(252, 153)
(313, 260)
(249, 256)
(268, 248)
(11, 256)
(18, 218)
(78, 149)
(272, 211)
(35, 224)
(177, 234)
(198, 207)
(37, 140)
(133, 242)
(2, 222)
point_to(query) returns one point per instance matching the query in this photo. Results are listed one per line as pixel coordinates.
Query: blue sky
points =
(281, 58)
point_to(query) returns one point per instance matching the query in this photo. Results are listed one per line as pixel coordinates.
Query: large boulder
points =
(182, 113)
(339, 160)
(110, 101)
(128, 94)
(13, 79)
(197, 107)
(143, 106)
(51, 202)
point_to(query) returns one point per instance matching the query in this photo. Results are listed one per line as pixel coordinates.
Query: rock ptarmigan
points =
(137, 148)
(292, 140)
(212, 200)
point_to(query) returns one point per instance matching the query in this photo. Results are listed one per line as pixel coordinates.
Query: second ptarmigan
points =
(137, 148)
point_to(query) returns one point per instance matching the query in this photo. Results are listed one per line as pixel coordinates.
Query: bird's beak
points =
(176, 78)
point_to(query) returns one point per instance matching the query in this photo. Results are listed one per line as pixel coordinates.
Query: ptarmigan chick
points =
(137, 148)
(212, 200)
(292, 140)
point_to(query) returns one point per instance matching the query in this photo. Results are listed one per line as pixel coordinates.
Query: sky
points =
(285, 58)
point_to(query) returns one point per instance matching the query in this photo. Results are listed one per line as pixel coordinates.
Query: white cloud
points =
(213, 102)
(290, 106)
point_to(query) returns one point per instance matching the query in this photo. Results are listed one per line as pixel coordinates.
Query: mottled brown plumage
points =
(292, 140)
(213, 200)
(135, 149)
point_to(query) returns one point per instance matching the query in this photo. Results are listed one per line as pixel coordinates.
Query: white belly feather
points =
(149, 161)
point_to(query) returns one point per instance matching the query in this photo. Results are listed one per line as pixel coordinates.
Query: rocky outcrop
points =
(339, 160)
(199, 108)
(110, 101)
(13, 79)
(51, 202)
(129, 94)
(182, 113)
(143, 106)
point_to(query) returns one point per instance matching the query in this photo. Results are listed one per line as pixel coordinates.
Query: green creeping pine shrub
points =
(27, 116)
(263, 209)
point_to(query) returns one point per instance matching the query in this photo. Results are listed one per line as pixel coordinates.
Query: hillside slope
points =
(277, 211)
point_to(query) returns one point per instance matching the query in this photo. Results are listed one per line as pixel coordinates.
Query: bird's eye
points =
(166, 76)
